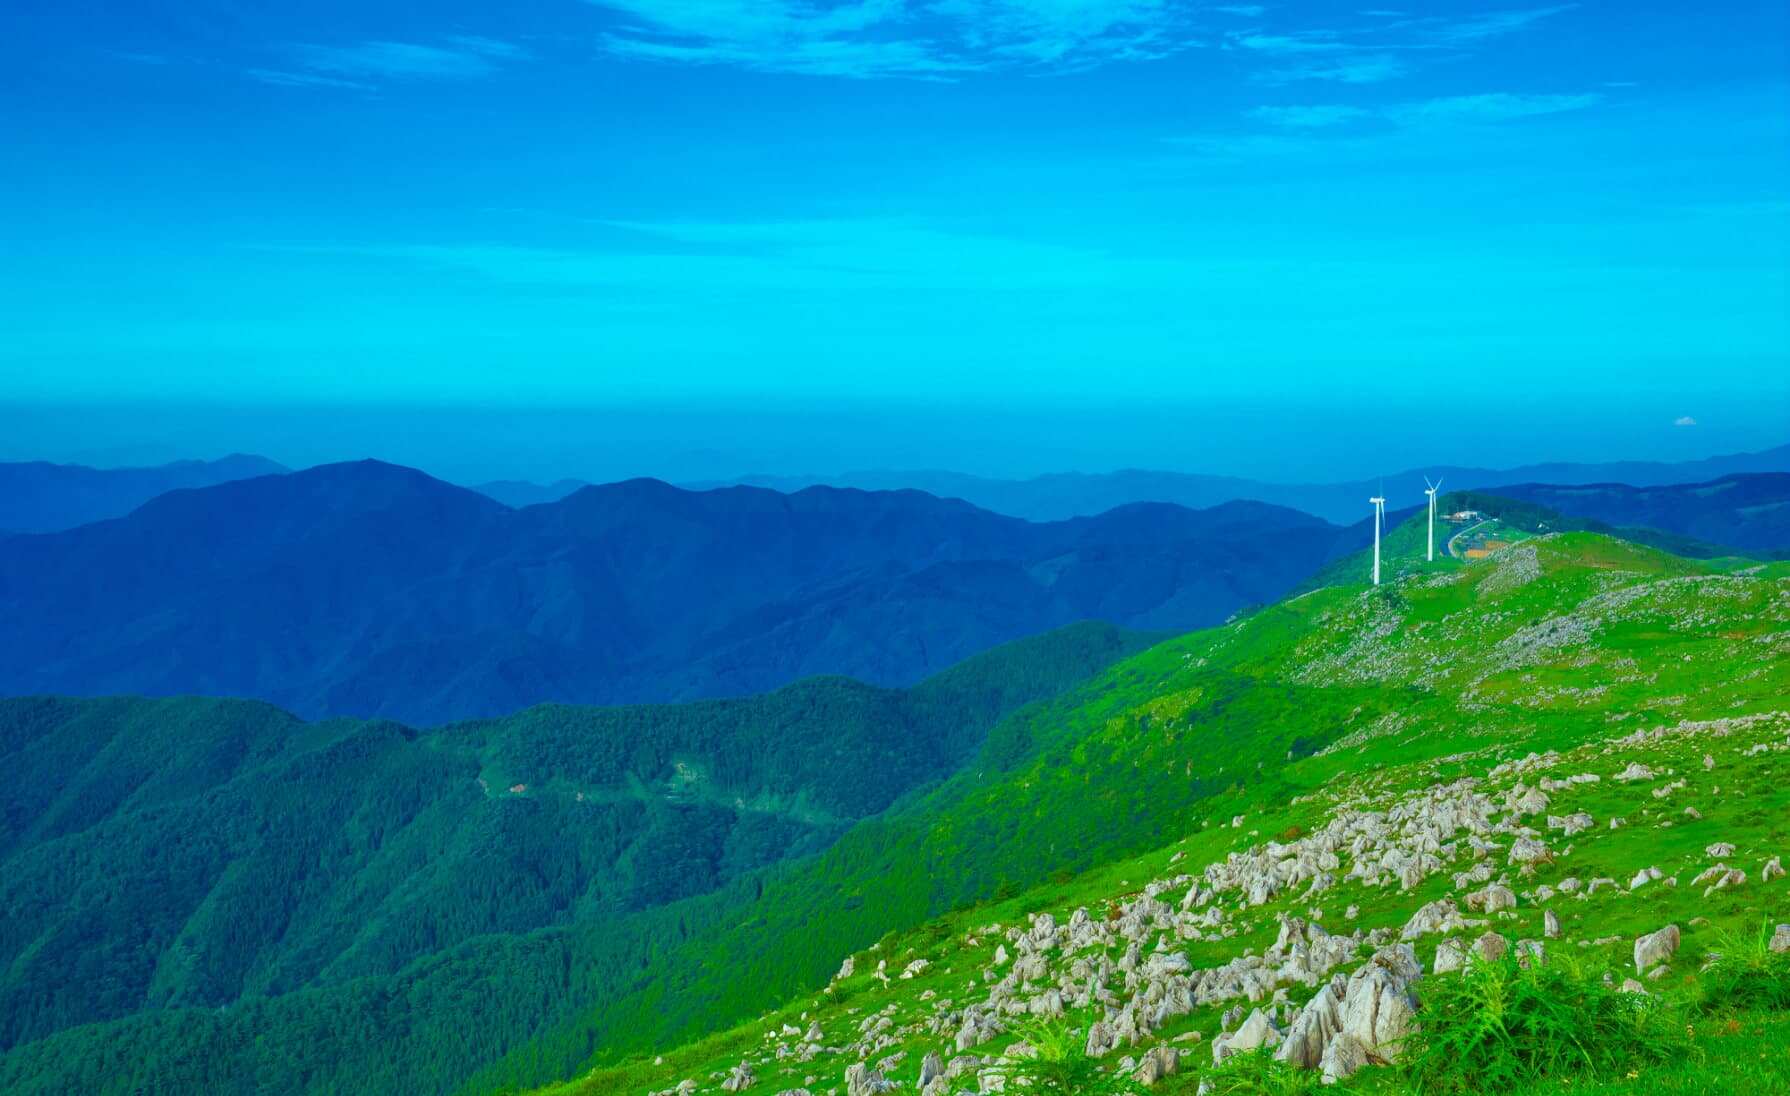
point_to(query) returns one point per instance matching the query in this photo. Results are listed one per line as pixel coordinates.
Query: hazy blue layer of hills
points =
(520, 493)
(40, 497)
(372, 590)
(198, 854)
(1747, 513)
(1070, 494)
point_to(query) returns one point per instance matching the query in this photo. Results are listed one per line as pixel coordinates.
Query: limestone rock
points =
(1378, 1007)
(738, 1080)
(1449, 957)
(1158, 1062)
(930, 1067)
(1655, 948)
(1490, 948)
(1314, 1026)
(1257, 1031)
(1343, 1057)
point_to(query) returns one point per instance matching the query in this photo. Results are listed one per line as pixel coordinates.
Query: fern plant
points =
(1501, 1025)
(1744, 974)
(1060, 1065)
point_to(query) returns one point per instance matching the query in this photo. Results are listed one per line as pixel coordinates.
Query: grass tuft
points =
(1256, 1073)
(1503, 1025)
(1743, 973)
(1061, 1066)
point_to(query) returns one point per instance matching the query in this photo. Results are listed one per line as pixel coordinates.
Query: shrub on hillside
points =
(1060, 1065)
(1744, 974)
(1256, 1073)
(1498, 1026)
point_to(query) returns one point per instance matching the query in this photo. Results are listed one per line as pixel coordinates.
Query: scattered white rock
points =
(1655, 949)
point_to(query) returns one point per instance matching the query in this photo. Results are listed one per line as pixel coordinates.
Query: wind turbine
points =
(1431, 490)
(1379, 502)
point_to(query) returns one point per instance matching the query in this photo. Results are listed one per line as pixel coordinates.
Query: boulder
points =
(1655, 948)
(1255, 1032)
(1378, 1007)
(930, 1067)
(1527, 850)
(1100, 1039)
(1343, 1057)
(1314, 1026)
(1438, 916)
(1490, 948)
(1492, 899)
(1157, 1063)
(738, 1080)
(1450, 956)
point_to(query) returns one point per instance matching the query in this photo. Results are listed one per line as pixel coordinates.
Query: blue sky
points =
(1221, 235)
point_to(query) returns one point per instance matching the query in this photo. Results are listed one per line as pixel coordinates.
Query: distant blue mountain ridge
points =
(40, 497)
(369, 589)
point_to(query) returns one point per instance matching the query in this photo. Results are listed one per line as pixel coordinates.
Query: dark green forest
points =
(214, 893)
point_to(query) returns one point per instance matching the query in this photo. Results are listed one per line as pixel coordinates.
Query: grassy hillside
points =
(172, 869)
(1172, 803)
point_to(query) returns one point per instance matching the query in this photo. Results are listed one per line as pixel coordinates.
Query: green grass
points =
(1500, 1026)
(1744, 974)
(1341, 695)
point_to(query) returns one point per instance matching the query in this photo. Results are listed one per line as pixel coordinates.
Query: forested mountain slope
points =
(158, 855)
(371, 590)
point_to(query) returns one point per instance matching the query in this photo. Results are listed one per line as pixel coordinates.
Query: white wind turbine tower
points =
(1379, 502)
(1431, 490)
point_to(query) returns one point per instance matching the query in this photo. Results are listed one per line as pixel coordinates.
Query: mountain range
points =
(369, 589)
(1746, 513)
(40, 497)
(1071, 494)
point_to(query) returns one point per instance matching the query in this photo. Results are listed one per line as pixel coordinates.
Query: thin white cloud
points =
(459, 58)
(1684, 420)
(1490, 107)
(1492, 24)
(281, 78)
(942, 39)
(1303, 42)
(900, 38)
(1366, 68)
(1417, 115)
(1310, 117)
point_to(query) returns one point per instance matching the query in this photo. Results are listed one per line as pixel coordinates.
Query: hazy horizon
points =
(1290, 443)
